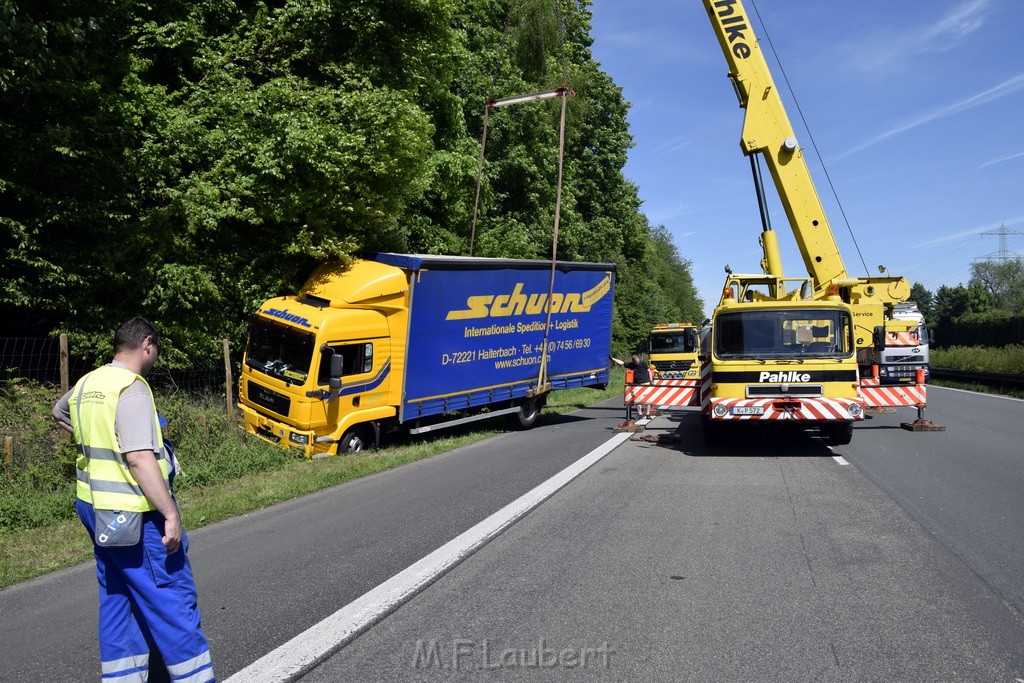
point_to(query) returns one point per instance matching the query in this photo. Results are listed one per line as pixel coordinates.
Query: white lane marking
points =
(306, 650)
(977, 393)
(840, 459)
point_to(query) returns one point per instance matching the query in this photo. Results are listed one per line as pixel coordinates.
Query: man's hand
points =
(172, 535)
(146, 470)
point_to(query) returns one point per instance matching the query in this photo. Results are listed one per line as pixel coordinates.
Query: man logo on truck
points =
(517, 303)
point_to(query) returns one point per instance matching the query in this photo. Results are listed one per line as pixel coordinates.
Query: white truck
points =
(904, 353)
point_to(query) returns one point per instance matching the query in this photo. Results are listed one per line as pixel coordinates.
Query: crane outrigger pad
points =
(922, 426)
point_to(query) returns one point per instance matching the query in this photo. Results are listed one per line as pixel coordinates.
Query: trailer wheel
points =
(839, 434)
(353, 441)
(526, 417)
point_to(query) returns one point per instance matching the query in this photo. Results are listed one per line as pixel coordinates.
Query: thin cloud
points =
(890, 51)
(999, 160)
(1009, 222)
(682, 141)
(664, 215)
(1007, 87)
(961, 22)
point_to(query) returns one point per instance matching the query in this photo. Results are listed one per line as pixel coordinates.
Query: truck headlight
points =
(300, 439)
(721, 409)
(854, 409)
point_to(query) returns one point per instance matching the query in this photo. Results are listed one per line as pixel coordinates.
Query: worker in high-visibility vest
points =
(126, 502)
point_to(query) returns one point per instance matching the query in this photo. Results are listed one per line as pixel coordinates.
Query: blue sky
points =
(916, 108)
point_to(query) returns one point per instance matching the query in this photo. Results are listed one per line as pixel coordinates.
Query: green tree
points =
(950, 303)
(924, 300)
(672, 273)
(185, 161)
(65, 172)
(1003, 281)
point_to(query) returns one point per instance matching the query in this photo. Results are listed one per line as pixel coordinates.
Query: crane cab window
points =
(784, 334)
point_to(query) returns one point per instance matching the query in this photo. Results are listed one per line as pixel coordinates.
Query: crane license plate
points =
(747, 410)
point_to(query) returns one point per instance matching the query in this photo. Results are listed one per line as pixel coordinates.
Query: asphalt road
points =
(757, 561)
(964, 485)
(766, 559)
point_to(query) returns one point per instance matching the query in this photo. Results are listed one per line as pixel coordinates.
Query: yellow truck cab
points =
(672, 349)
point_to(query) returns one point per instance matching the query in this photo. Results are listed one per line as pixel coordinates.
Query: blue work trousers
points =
(147, 596)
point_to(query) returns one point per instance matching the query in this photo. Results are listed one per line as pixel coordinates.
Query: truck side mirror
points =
(878, 338)
(337, 365)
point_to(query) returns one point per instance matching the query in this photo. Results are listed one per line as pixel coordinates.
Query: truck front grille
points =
(674, 365)
(268, 398)
(916, 358)
(773, 390)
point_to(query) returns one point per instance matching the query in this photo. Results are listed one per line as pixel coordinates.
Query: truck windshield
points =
(680, 342)
(279, 351)
(803, 333)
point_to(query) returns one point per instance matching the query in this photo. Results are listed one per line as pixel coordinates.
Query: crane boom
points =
(768, 131)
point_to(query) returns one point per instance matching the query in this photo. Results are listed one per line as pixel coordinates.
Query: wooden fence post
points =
(9, 457)
(65, 380)
(227, 378)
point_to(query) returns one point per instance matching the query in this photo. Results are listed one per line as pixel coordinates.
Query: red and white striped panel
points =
(803, 409)
(663, 393)
(705, 383)
(877, 395)
(903, 339)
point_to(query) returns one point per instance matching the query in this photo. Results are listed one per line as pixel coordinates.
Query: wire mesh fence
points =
(49, 361)
(34, 372)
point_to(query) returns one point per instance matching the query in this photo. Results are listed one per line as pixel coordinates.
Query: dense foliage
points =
(187, 160)
(38, 487)
(987, 311)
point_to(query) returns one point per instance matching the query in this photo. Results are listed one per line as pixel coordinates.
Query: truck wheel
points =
(839, 434)
(526, 417)
(353, 441)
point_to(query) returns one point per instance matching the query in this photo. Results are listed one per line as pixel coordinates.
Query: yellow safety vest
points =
(104, 479)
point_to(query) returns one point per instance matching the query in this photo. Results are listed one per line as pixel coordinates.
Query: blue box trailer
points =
(422, 342)
(477, 330)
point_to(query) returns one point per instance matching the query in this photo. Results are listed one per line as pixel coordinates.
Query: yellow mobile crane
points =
(793, 348)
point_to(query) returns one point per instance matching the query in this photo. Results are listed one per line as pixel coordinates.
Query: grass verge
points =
(1006, 359)
(978, 388)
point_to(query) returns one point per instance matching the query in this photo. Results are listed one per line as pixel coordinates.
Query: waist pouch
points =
(115, 528)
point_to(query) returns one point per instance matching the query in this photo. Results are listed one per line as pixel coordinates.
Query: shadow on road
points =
(681, 431)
